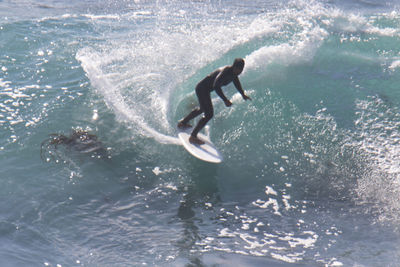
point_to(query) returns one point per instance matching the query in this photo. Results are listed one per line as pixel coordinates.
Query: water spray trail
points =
(115, 100)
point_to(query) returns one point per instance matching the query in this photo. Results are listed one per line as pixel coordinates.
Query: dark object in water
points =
(79, 140)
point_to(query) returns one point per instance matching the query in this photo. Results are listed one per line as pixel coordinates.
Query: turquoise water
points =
(310, 174)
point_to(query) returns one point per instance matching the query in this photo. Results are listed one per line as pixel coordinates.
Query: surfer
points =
(220, 77)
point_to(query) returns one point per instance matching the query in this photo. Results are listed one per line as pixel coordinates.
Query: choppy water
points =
(311, 169)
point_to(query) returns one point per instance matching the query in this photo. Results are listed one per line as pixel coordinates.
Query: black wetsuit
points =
(214, 81)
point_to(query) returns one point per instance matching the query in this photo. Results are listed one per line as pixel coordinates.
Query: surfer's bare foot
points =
(195, 140)
(183, 126)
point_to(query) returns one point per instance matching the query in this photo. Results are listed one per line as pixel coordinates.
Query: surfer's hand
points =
(228, 103)
(245, 97)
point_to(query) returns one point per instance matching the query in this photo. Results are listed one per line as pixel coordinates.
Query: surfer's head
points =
(238, 66)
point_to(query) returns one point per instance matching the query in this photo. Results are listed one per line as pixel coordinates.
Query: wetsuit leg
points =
(206, 107)
(200, 89)
(195, 112)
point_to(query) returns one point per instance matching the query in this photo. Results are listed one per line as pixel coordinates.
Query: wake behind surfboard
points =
(206, 152)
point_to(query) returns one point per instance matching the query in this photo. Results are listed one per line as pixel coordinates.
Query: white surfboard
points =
(206, 152)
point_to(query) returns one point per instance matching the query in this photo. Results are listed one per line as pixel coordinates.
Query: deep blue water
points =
(311, 166)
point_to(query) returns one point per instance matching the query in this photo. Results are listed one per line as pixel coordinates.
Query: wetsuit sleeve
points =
(217, 86)
(238, 86)
(219, 92)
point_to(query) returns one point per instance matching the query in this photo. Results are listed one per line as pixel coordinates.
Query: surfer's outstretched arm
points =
(219, 92)
(238, 86)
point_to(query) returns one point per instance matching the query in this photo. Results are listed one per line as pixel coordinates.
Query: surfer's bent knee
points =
(208, 114)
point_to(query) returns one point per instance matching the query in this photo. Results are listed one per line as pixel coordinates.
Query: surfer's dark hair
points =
(238, 63)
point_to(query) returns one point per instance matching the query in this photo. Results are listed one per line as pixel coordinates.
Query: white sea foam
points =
(4, 84)
(297, 47)
(286, 54)
(395, 64)
(102, 17)
(356, 23)
(378, 125)
(89, 16)
(314, 24)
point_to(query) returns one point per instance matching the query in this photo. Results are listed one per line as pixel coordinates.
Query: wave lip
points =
(301, 51)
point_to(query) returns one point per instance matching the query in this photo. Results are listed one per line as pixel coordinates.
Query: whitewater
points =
(310, 175)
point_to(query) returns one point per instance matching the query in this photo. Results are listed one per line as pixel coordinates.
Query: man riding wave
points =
(220, 77)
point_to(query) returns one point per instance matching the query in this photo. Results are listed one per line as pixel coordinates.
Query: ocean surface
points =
(92, 172)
